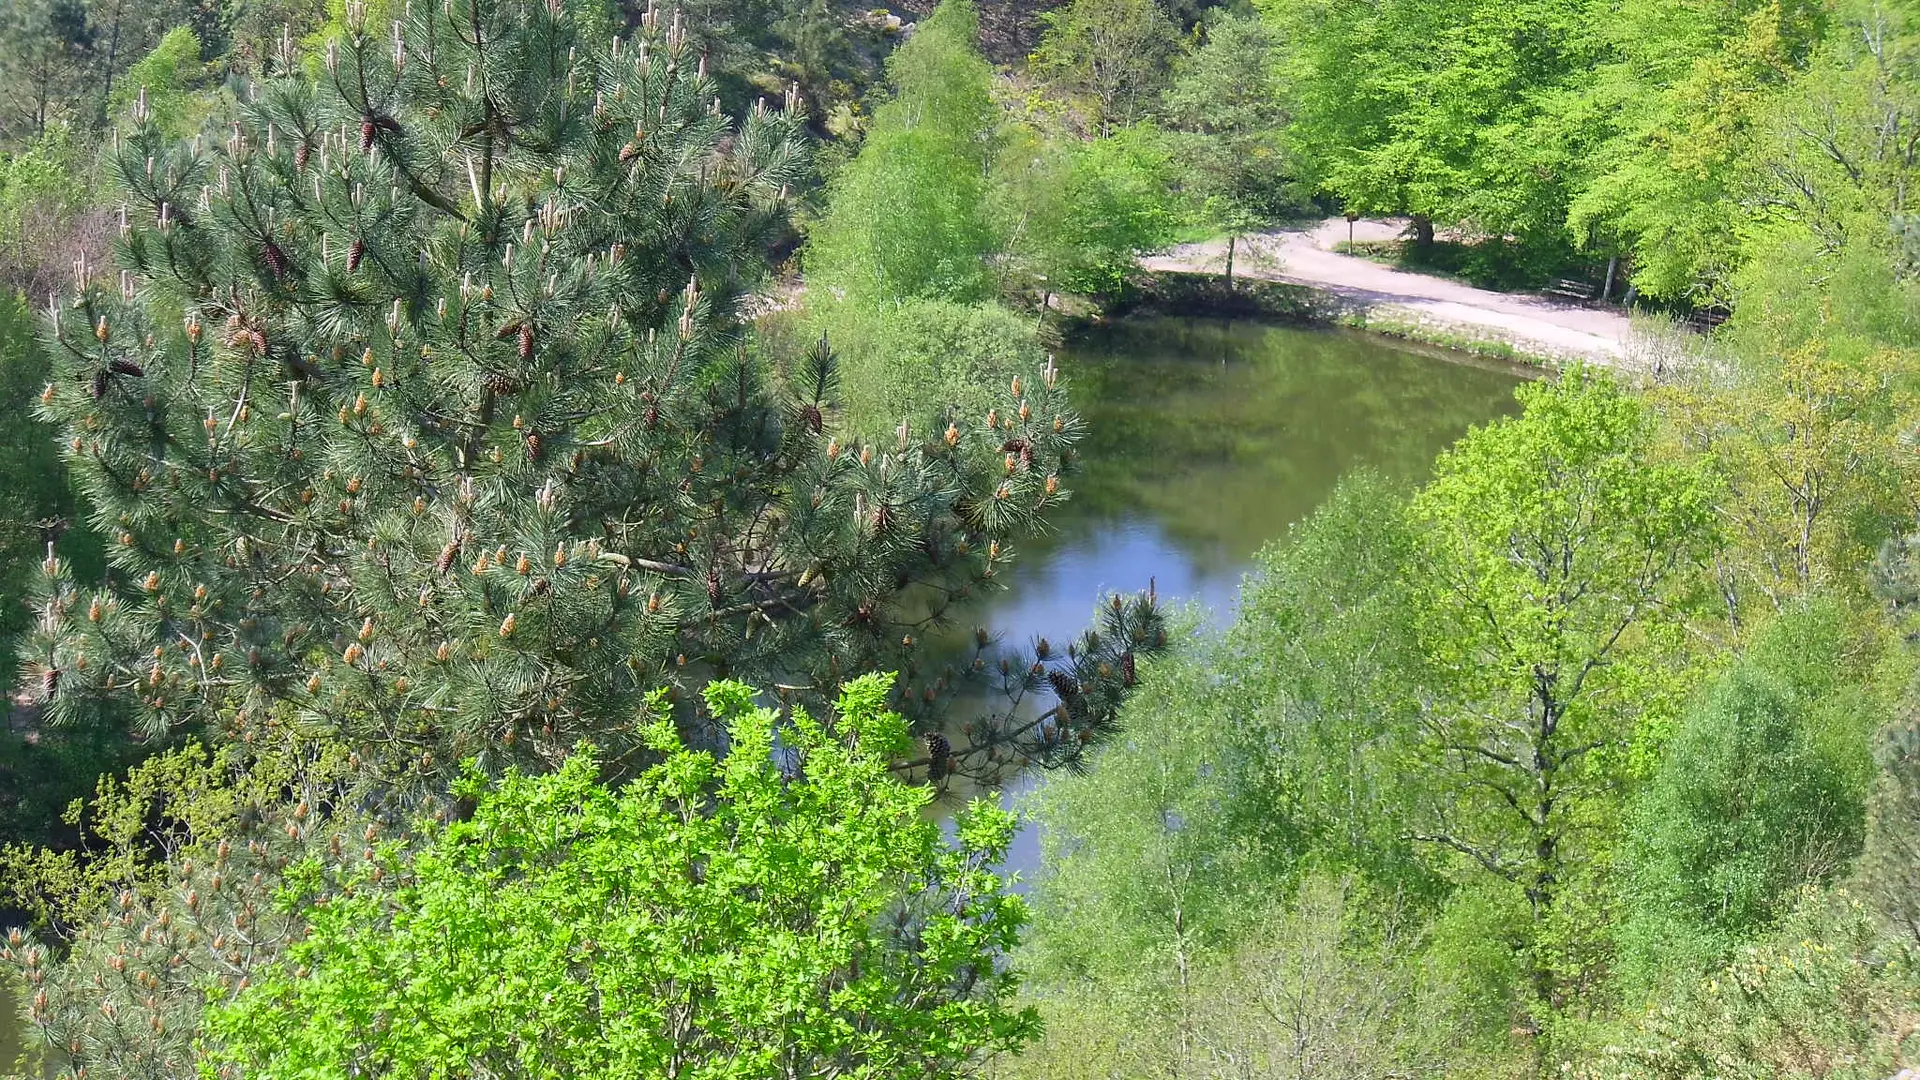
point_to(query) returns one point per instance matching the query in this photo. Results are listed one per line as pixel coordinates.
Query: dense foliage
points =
(788, 908)
(1493, 725)
(455, 449)
(786, 911)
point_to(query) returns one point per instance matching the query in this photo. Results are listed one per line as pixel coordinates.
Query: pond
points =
(1207, 440)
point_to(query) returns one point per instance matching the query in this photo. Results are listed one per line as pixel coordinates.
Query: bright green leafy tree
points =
(1081, 212)
(1683, 98)
(1226, 109)
(162, 80)
(787, 908)
(1556, 541)
(1762, 790)
(1443, 111)
(1112, 55)
(907, 217)
(785, 911)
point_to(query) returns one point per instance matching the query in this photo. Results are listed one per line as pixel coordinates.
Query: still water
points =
(1207, 440)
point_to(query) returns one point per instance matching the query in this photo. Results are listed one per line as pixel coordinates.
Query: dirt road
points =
(1388, 297)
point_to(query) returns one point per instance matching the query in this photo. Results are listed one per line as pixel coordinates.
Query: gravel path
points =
(1389, 296)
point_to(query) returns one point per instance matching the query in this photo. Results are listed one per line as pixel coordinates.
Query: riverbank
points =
(1316, 283)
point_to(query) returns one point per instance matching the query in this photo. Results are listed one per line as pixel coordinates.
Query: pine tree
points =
(422, 416)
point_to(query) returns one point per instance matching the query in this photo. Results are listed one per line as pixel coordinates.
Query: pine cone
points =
(501, 384)
(276, 259)
(526, 341)
(126, 367)
(300, 155)
(1065, 686)
(101, 379)
(939, 755)
(355, 251)
(366, 134)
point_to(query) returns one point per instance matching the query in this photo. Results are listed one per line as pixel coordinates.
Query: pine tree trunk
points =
(1422, 231)
(1232, 239)
(113, 53)
(1606, 287)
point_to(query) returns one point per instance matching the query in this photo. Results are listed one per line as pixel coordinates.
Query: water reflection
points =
(1207, 440)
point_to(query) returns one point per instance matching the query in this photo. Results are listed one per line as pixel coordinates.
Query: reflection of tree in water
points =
(1226, 433)
(1207, 440)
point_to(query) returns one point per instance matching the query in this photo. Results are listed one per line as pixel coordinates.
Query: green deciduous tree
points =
(1140, 859)
(785, 911)
(1230, 891)
(1556, 540)
(436, 416)
(1081, 212)
(907, 217)
(1326, 676)
(1761, 791)
(162, 80)
(1682, 98)
(1444, 111)
(1111, 54)
(1808, 432)
(1225, 105)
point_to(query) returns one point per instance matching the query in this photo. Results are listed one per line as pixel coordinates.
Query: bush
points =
(1826, 995)
(1762, 789)
(1317, 986)
(926, 361)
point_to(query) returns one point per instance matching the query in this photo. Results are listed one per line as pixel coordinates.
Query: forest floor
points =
(1418, 305)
